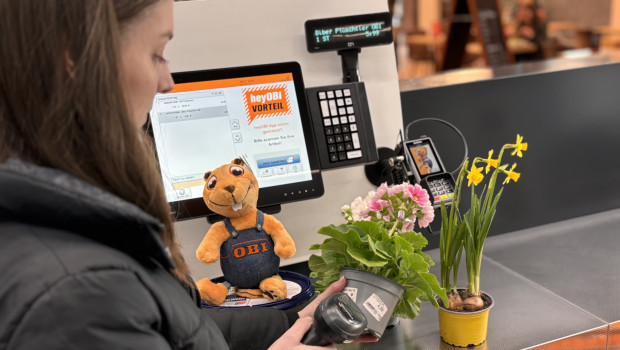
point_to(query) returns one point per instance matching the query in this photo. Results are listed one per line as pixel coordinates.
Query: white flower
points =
(345, 208)
(359, 207)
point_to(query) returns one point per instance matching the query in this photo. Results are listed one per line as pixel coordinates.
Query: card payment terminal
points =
(429, 171)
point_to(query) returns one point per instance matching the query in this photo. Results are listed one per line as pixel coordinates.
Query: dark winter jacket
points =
(83, 269)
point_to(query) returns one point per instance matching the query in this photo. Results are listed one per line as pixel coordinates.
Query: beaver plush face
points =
(231, 190)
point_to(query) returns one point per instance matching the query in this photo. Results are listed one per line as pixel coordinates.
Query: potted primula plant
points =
(463, 320)
(377, 245)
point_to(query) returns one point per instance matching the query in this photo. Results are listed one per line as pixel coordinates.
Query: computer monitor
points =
(256, 112)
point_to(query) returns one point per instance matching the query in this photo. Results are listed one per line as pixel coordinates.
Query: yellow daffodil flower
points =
(511, 175)
(519, 146)
(490, 162)
(475, 175)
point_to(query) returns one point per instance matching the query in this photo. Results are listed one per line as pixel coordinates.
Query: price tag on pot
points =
(351, 292)
(376, 307)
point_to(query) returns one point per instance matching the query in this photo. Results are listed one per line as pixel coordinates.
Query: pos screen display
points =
(211, 117)
(423, 157)
(350, 32)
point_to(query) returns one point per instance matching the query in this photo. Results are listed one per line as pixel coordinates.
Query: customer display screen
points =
(348, 32)
(213, 117)
(424, 157)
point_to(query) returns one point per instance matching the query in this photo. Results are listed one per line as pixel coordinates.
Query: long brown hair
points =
(62, 105)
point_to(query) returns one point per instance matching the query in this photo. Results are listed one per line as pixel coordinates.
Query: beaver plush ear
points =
(238, 161)
(207, 174)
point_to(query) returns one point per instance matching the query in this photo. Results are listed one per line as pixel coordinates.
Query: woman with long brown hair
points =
(87, 247)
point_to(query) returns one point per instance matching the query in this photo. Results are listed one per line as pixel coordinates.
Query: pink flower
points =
(377, 205)
(407, 226)
(396, 189)
(418, 194)
(383, 189)
(429, 215)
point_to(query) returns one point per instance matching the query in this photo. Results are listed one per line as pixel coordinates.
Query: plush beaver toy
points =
(248, 243)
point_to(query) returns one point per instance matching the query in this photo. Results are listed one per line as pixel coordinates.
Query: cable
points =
(453, 128)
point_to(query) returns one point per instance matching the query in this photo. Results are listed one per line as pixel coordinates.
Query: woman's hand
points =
(335, 287)
(291, 340)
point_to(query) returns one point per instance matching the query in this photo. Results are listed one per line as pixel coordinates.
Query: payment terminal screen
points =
(424, 158)
(201, 125)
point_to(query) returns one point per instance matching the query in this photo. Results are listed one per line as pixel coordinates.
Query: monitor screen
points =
(425, 160)
(258, 113)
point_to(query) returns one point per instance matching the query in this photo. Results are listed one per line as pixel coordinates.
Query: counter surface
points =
(549, 282)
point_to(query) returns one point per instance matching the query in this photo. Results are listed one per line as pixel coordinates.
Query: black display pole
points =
(350, 65)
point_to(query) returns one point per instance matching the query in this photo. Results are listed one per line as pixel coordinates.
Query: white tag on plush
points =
(237, 206)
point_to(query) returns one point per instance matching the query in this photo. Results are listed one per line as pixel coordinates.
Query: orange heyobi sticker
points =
(265, 102)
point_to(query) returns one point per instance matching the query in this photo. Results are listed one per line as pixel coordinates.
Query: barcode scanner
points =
(337, 319)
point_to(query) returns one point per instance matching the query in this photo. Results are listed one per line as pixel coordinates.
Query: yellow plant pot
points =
(464, 328)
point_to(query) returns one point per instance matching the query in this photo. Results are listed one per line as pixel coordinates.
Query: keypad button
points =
(332, 149)
(338, 93)
(332, 104)
(322, 95)
(324, 109)
(342, 155)
(353, 127)
(330, 94)
(348, 101)
(333, 112)
(339, 138)
(337, 130)
(340, 102)
(335, 121)
(354, 154)
(329, 130)
(327, 122)
(346, 92)
(348, 146)
(340, 147)
(350, 110)
(343, 120)
(333, 157)
(346, 137)
(345, 128)
(351, 119)
(356, 140)
(342, 111)
(331, 139)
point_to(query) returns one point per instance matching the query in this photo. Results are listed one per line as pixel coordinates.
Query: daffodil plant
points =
(469, 231)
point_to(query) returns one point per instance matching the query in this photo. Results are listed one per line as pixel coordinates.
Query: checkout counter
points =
(550, 264)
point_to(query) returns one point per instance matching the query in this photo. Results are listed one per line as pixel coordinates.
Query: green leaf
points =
(401, 246)
(426, 258)
(413, 262)
(333, 258)
(432, 282)
(334, 245)
(317, 264)
(344, 233)
(416, 239)
(409, 305)
(378, 252)
(387, 248)
(366, 257)
(372, 229)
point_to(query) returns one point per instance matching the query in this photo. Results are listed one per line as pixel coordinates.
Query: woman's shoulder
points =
(54, 277)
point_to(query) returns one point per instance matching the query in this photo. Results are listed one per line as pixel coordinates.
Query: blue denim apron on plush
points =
(247, 256)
